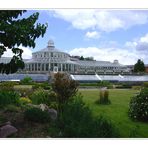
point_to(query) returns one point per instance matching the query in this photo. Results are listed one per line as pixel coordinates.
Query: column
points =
(37, 66)
(44, 66)
(61, 67)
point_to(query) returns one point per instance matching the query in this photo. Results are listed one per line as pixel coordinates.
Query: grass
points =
(117, 111)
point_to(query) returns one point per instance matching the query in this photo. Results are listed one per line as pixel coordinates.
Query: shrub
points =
(76, 120)
(104, 97)
(40, 96)
(8, 97)
(27, 80)
(136, 87)
(104, 84)
(145, 84)
(7, 86)
(138, 107)
(37, 115)
(44, 85)
(24, 101)
(12, 108)
(64, 87)
(23, 90)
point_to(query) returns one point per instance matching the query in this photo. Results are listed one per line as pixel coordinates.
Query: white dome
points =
(51, 43)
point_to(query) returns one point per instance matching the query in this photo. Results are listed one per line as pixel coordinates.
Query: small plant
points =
(27, 80)
(8, 97)
(24, 101)
(40, 96)
(37, 115)
(7, 86)
(12, 108)
(138, 107)
(24, 91)
(104, 97)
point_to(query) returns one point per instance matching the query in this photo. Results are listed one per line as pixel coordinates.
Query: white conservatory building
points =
(50, 60)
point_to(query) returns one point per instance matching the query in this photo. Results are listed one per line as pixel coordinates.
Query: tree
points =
(139, 66)
(64, 87)
(16, 31)
(81, 58)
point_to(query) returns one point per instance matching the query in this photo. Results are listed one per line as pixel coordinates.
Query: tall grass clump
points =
(104, 97)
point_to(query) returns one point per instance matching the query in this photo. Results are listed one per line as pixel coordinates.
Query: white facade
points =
(51, 59)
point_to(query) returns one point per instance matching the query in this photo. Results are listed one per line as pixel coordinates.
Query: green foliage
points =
(64, 87)
(145, 84)
(124, 86)
(7, 86)
(16, 31)
(8, 97)
(104, 84)
(24, 90)
(40, 96)
(44, 85)
(3, 119)
(37, 115)
(24, 101)
(12, 108)
(104, 97)
(136, 87)
(26, 81)
(139, 66)
(88, 84)
(76, 121)
(81, 58)
(138, 107)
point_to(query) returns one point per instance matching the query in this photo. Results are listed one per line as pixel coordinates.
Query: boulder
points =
(7, 130)
(43, 107)
(53, 113)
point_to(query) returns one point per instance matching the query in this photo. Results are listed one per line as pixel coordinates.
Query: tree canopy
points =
(139, 66)
(16, 31)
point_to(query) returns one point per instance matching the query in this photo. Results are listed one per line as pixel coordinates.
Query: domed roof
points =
(50, 48)
(50, 43)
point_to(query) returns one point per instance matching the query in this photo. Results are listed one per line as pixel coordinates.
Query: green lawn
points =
(117, 111)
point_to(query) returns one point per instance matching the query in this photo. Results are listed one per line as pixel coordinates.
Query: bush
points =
(24, 90)
(44, 85)
(145, 84)
(40, 96)
(138, 107)
(7, 86)
(12, 108)
(64, 87)
(27, 80)
(136, 87)
(104, 84)
(8, 97)
(104, 97)
(37, 115)
(24, 101)
(76, 121)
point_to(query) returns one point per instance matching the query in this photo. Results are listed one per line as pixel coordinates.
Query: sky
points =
(103, 34)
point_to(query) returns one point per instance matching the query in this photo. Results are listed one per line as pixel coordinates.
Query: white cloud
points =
(27, 53)
(140, 44)
(93, 34)
(103, 20)
(108, 54)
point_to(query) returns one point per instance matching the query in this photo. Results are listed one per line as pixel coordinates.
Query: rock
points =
(43, 107)
(6, 123)
(7, 130)
(53, 113)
